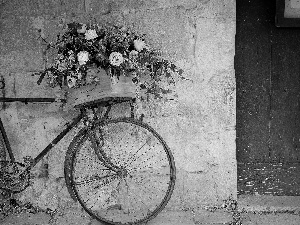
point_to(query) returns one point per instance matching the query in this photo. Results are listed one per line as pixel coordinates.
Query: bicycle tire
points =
(68, 162)
(145, 177)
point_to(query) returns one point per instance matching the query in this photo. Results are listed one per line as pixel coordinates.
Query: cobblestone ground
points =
(76, 216)
(14, 212)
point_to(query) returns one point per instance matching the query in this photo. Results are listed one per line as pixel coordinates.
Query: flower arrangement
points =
(117, 50)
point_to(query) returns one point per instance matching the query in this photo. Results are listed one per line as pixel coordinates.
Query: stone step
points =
(167, 218)
(264, 203)
(27, 219)
(270, 219)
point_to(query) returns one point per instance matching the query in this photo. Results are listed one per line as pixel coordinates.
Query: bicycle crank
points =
(13, 176)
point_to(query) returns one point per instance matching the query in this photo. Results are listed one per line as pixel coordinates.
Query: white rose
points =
(133, 54)
(82, 29)
(79, 75)
(71, 81)
(83, 57)
(139, 45)
(62, 66)
(116, 59)
(90, 34)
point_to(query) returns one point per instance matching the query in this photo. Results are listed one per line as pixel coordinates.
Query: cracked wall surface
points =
(199, 126)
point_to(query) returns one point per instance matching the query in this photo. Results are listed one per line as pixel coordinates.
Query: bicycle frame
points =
(6, 142)
(114, 176)
(74, 122)
(70, 125)
(60, 136)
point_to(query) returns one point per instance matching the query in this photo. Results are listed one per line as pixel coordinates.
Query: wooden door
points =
(267, 65)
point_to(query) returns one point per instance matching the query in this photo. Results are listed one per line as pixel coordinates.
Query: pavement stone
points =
(263, 203)
(78, 217)
(199, 223)
(166, 218)
(173, 218)
(202, 216)
(27, 219)
(95, 222)
(271, 219)
(73, 216)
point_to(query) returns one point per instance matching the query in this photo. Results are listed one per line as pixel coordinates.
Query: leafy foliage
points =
(117, 50)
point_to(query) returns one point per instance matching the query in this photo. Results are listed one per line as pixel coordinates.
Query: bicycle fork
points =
(102, 156)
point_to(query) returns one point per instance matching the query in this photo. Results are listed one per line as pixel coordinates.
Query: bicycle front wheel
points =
(122, 172)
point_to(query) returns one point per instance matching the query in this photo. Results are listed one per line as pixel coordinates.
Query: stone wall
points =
(199, 126)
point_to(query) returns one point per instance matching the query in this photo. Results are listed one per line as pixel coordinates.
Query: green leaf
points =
(173, 67)
(168, 75)
(165, 91)
(143, 86)
(180, 71)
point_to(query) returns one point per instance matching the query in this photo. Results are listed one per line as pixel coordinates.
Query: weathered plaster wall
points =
(199, 126)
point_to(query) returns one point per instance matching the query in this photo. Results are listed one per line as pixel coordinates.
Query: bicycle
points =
(120, 170)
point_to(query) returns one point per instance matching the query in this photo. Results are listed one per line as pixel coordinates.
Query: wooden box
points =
(122, 87)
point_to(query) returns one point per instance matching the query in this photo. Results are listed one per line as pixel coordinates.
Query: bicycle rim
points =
(143, 182)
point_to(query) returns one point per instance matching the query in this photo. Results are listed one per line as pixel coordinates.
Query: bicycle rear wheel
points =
(122, 171)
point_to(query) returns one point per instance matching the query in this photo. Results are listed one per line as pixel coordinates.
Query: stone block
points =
(65, 199)
(217, 8)
(202, 216)
(177, 198)
(222, 98)
(26, 218)
(165, 29)
(56, 160)
(198, 159)
(48, 194)
(73, 216)
(264, 203)
(200, 189)
(26, 86)
(53, 126)
(20, 44)
(96, 222)
(214, 48)
(48, 198)
(104, 7)
(39, 186)
(273, 219)
(184, 137)
(173, 218)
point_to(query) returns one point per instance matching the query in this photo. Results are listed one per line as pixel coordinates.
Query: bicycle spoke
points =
(133, 194)
(112, 142)
(146, 199)
(134, 155)
(93, 178)
(145, 166)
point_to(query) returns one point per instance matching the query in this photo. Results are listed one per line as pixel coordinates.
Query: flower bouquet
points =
(106, 60)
